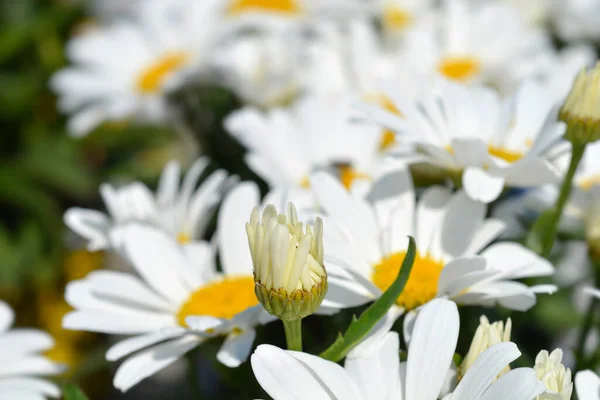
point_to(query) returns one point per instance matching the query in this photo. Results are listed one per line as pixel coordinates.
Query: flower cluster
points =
(415, 161)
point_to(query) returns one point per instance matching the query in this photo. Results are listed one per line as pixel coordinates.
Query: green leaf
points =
(360, 328)
(540, 231)
(72, 392)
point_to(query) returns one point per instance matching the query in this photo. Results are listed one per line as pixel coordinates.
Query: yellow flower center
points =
(183, 238)
(460, 68)
(305, 183)
(290, 7)
(422, 285)
(395, 18)
(222, 299)
(152, 78)
(510, 156)
(348, 175)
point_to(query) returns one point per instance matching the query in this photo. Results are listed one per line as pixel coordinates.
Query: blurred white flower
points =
(182, 211)
(176, 301)
(122, 71)
(477, 42)
(398, 16)
(286, 145)
(487, 141)
(565, 67)
(269, 15)
(366, 242)
(22, 364)
(577, 19)
(379, 374)
(587, 385)
(557, 379)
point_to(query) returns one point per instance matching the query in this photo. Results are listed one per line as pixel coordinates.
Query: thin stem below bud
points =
(565, 192)
(293, 334)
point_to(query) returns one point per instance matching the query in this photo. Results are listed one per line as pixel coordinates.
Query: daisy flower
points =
(587, 385)
(123, 71)
(278, 14)
(476, 42)
(380, 375)
(176, 301)
(474, 135)
(366, 236)
(397, 16)
(22, 365)
(575, 20)
(181, 211)
(286, 145)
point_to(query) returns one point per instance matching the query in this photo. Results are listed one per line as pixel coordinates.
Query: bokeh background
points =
(44, 171)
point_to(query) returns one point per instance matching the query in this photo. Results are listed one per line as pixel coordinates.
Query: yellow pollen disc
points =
(421, 286)
(459, 68)
(396, 18)
(510, 156)
(152, 78)
(183, 238)
(290, 7)
(222, 299)
(305, 183)
(348, 175)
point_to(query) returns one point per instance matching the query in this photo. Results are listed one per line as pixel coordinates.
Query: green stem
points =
(293, 334)
(565, 192)
(585, 330)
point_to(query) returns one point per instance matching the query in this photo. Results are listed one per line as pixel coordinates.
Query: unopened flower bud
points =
(581, 109)
(289, 274)
(485, 337)
(550, 370)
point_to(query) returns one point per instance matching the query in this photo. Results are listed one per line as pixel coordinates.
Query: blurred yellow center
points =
(152, 78)
(305, 183)
(422, 285)
(507, 155)
(396, 18)
(590, 182)
(222, 299)
(348, 175)
(238, 7)
(459, 68)
(388, 138)
(183, 238)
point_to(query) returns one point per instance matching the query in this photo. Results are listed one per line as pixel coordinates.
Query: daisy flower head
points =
(477, 42)
(283, 14)
(22, 364)
(398, 16)
(286, 145)
(487, 142)
(380, 375)
(176, 301)
(122, 71)
(587, 385)
(366, 237)
(182, 211)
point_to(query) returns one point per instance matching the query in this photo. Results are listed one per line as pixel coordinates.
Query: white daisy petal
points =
(236, 347)
(518, 384)
(133, 344)
(484, 370)
(587, 385)
(150, 361)
(482, 186)
(7, 316)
